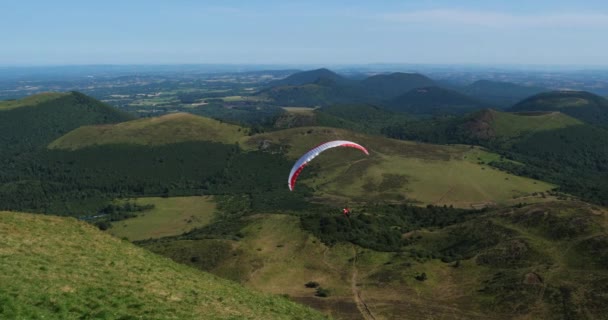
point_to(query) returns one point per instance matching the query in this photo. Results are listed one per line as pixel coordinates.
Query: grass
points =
(512, 125)
(276, 256)
(401, 170)
(172, 128)
(300, 110)
(58, 268)
(170, 217)
(30, 101)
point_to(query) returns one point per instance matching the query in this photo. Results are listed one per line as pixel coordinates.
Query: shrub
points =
(321, 292)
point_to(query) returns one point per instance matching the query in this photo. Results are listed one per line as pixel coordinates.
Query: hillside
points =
(541, 261)
(306, 77)
(171, 128)
(389, 86)
(57, 268)
(500, 94)
(582, 105)
(398, 170)
(502, 127)
(31, 100)
(550, 146)
(365, 118)
(484, 127)
(35, 121)
(434, 100)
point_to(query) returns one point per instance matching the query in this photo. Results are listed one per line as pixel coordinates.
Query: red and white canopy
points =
(313, 153)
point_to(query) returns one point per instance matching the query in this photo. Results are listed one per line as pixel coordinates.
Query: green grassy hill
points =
(399, 170)
(35, 121)
(57, 268)
(485, 127)
(31, 100)
(582, 105)
(172, 128)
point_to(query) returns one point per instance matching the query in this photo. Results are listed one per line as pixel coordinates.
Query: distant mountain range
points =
(323, 87)
(396, 91)
(500, 94)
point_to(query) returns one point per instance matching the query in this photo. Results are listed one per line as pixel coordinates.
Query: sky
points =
(477, 32)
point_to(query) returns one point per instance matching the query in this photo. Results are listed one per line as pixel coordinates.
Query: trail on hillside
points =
(361, 305)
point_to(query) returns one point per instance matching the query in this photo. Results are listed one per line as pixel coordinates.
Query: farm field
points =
(169, 217)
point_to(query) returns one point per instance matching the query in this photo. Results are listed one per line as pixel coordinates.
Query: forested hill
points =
(35, 121)
(389, 86)
(434, 100)
(306, 77)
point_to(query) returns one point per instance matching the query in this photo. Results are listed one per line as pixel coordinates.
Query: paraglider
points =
(314, 152)
(346, 212)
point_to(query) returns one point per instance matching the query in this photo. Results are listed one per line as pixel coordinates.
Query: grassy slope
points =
(546, 240)
(57, 268)
(582, 105)
(31, 100)
(172, 128)
(511, 125)
(421, 172)
(170, 217)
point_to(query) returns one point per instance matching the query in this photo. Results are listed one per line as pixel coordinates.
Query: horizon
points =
(478, 33)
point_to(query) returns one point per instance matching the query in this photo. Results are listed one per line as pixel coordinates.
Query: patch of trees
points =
(379, 227)
(84, 181)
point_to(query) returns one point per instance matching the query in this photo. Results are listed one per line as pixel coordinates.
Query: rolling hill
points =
(306, 77)
(35, 121)
(398, 170)
(167, 129)
(390, 86)
(58, 268)
(364, 118)
(500, 94)
(550, 146)
(541, 261)
(582, 105)
(485, 127)
(434, 100)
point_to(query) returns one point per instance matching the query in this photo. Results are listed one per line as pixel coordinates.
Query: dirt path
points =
(361, 305)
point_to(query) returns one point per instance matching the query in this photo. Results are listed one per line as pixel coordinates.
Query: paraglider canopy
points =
(313, 153)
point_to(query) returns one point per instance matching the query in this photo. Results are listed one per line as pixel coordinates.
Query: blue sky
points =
(327, 32)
